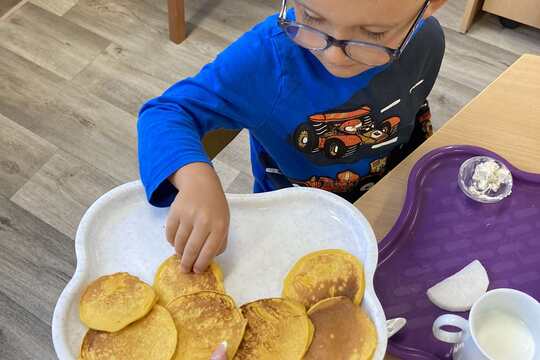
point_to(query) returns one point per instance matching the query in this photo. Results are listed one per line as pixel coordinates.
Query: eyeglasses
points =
(359, 51)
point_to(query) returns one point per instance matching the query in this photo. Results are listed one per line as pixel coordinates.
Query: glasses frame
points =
(393, 54)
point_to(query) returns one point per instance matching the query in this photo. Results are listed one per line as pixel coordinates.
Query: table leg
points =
(471, 9)
(215, 141)
(177, 21)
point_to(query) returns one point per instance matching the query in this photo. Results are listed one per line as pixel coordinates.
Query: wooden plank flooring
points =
(121, 84)
(22, 153)
(23, 334)
(8, 6)
(58, 7)
(68, 117)
(50, 41)
(36, 261)
(472, 62)
(62, 190)
(73, 75)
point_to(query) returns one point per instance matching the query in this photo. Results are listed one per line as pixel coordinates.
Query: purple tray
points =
(439, 231)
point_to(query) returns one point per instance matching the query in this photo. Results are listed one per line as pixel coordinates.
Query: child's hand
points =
(220, 353)
(198, 221)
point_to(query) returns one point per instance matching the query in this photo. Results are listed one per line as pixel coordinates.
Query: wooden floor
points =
(73, 74)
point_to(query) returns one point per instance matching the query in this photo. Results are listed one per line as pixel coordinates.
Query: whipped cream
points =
(488, 178)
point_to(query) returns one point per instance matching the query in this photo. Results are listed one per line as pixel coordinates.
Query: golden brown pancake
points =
(204, 320)
(112, 302)
(152, 337)
(343, 331)
(171, 283)
(324, 274)
(277, 329)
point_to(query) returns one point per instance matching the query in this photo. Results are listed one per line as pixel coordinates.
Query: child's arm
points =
(237, 91)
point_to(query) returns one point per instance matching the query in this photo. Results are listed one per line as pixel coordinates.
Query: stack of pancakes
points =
(186, 316)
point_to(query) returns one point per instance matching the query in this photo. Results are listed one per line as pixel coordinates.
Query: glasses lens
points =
(306, 37)
(368, 55)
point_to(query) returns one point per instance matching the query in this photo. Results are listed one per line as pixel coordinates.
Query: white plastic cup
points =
(511, 302)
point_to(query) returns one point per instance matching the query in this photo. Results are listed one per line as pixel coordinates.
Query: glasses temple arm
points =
(283, 11)
(412, 29)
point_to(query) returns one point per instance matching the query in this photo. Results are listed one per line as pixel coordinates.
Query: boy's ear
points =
(434, 5)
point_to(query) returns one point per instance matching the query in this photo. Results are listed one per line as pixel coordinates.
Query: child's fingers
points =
(181, 237)
(208, 251)
(193, 246)
(223, 244)
(171, 226)
(220, 353)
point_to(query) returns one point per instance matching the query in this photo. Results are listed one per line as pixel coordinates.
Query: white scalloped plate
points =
(269, 232)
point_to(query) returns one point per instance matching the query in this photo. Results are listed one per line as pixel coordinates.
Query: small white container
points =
(478, 167)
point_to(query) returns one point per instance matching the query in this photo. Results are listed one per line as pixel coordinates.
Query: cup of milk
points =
(504, 324)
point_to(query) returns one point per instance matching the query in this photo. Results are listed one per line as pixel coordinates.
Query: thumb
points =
(220, 353)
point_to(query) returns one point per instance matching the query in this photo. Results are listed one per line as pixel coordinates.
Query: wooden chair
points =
(217, 140)
(471, 9)
(177, 21)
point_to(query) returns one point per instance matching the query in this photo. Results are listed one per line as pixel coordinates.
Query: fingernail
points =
(220, 352)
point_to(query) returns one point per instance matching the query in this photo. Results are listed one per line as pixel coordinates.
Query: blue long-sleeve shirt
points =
(307, 127)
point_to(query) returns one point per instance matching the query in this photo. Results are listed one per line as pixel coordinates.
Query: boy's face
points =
(383, 22)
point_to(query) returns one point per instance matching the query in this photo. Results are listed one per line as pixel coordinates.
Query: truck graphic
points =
(341, 134)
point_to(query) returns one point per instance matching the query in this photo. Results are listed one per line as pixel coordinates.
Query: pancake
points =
(171, 283)
(276, 329)
(325, 274)
(342, 331)
(152, 337)
(112, 302)
(204, 320)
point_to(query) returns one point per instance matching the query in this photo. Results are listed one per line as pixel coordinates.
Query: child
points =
(333, 94)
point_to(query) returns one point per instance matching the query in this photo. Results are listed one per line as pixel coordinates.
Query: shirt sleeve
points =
(236, 91)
